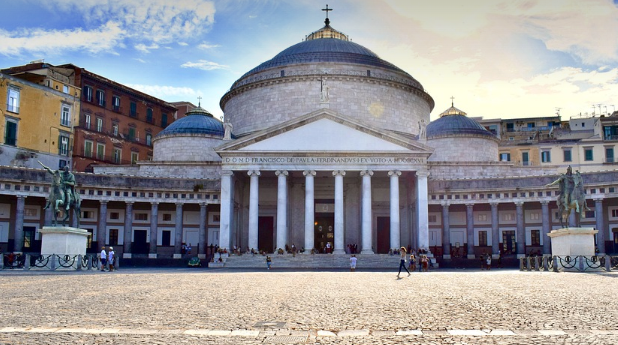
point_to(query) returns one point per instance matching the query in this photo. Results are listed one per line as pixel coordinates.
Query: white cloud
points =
(104, 38)
(146, 49)
(183, 43)
(163, 91)
(206, 46)
(139, 60)
(204, 65)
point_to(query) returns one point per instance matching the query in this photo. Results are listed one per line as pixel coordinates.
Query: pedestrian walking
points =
(488, 261)
(103, 258)
(402, 261)
(353, 263)
(269, 261)
(111, 258)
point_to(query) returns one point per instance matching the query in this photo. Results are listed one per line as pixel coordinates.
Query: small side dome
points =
(197, 121)
(454, 122)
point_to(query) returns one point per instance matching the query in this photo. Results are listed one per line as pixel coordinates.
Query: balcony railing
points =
(104, 159)
(12, 108)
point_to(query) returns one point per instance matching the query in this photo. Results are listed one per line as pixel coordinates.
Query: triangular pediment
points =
(325, 131)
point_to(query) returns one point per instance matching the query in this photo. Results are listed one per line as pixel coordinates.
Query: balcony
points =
(12, 108)
(117, 109)
(104, 159)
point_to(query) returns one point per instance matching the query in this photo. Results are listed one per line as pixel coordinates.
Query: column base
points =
(446, 257)
(471, 256)
(519, 256)
(177, 256)
(367, 251)
(152, 256)
(126, 255)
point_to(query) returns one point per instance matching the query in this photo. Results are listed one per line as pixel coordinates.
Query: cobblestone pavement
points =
(227, 307)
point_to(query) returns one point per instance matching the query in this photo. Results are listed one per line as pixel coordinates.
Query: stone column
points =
(598, 213)
(19, 223)
(394, 203)
(446, 232)
(225, 219)
(309, 210)
(546, 220)
(338, 245)
(178, 232)
(495, 230)
(203, 233)
(49, 214)
(282, 207)
(521, 232)
(128, 233)
(470, 229)
(154, 222)
(367, 218)
(253, 208)
(102, 232)
(422, 205)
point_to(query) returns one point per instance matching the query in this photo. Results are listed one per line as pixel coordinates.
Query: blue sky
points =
(507, 59)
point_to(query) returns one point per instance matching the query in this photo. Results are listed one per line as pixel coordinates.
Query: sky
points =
(498, 59)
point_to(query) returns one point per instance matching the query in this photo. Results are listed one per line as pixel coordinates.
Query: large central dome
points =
(327, 70)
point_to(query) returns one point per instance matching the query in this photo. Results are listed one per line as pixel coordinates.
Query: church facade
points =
(325, 147)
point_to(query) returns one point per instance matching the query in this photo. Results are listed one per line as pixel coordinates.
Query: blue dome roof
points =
(454, 125)
(197, 121)
(325, 50)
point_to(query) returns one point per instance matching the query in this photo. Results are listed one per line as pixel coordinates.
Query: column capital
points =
(598, 198)
(309, 172)
(21, 196)
(103, 202)
(494, 203)
(203, 204)
(154, 203)
(519, 203)
(422, 173)
(445, 204)
(545, 202)
(129, 202)
(253, 173)
(227, 173)
(339, 172)
(281, 172)
(394, 173)
(179, 204)
(366, 172)
(469, 205)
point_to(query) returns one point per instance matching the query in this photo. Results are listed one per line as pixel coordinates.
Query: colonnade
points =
(282, 217)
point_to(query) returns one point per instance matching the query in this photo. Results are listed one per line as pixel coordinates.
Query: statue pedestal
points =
(572, 242)
(63, 240)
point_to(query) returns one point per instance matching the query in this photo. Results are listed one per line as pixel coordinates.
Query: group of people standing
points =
(107, 259)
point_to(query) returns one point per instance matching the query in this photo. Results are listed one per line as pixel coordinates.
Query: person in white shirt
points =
(111, 257)
(103, 258)
(352, 263)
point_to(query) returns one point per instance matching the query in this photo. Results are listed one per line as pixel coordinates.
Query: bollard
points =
(537, 263)
(555, 260)
(608, 263)
(1, 261)
(52, 265)
(522, 266)
(116, 263)
(545, 264)
(581, 262)
(89, 264)
(27, 263)
(530, 263)
(79, 263)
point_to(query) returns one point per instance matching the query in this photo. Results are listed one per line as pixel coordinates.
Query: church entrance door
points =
(265, 234)
(384, 235)
(324, 232)
(508, 242)
(140, 243)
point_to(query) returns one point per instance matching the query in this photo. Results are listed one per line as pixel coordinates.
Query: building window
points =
(12, 101)
(163, 120)
(133, 112)
(88, 93)
(134, 157)
(131, 135)
(148, 139)
(114, 215)
(63, 147)
(525, 159)
(567, 155)
(167, 217)
(101, 98)
(482, 238)
(149, 115)
(87, 121)
(615, 213)
(88, 148)
(100, 151)
(113, 237)
(535, 237)
(117, 155)
(141, 217)
(65, 118)
(116, 103)
(62, 163)
(505, 157)
(588, 156)
(115, 129)
(609, 155)
(99, 124)
(546, 156)
(65, 89)
(10, 133)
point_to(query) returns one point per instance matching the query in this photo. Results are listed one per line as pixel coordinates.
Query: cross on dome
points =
(327, 21)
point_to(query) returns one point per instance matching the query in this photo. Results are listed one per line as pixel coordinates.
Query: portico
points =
(354, 182)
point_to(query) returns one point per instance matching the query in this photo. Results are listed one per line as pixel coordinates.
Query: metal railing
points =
(574, 263)
(51, 262)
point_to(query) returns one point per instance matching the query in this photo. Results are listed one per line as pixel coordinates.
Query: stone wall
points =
(186, 149)
(469, 149)
(461, 170)
(378, 102)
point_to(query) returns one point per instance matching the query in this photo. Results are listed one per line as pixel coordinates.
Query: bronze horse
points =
(577, 203)
(57, 199)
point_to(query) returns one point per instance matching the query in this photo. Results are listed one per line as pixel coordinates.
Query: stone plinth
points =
(61, 240)
(573, 242)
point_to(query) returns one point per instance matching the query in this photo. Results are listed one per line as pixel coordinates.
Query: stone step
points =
(319, 261)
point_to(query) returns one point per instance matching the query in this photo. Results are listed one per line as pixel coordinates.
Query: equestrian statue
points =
(572, 196)
(62, 195)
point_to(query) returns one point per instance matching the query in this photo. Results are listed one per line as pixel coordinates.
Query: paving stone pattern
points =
(228, 307)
